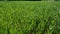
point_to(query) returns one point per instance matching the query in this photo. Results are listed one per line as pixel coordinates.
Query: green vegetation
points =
(29, 17)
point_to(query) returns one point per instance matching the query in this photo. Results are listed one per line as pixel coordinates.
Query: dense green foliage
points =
(29, 17)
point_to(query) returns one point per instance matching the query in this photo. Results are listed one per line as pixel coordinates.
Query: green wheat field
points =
(29, 17)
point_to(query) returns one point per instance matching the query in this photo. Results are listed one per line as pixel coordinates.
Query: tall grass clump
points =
(29, 17)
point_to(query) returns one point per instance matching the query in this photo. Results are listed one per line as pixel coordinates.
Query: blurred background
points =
(29, 0)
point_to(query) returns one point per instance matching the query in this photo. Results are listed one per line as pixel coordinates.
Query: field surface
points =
(29, 17)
